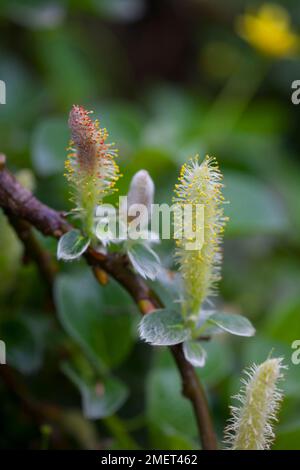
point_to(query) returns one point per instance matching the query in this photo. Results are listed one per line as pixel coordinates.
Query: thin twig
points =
(39, 412)
(34, 250)
(42, 413)
(19, 203)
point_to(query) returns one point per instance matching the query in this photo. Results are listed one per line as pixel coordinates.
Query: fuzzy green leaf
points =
(144, 260)
(72, 245)
(234, 324)
(194, 353)
(163, 328)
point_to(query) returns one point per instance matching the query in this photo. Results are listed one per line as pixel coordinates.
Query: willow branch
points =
(41, 413)
(19, 203)
(34, 250)
(38, 411)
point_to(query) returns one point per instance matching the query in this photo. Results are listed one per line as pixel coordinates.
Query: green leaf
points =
(282, 322)
(21, 87)
(167, 101)
(106, 228)
(125, 123)
(98, 319)
(166, 409)
(165, 437)
(163, 328)
(219, 362)
(254, 208)
(58, 51)
(72, 245)
(234, 324)
(144, 260)
(101, 398)
(25, 342)
(49, 144)
(194, 353)
(288, 436)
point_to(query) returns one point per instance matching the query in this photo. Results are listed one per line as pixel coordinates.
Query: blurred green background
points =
(169, 79)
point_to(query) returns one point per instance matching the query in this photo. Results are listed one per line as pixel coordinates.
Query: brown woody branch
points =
(34, 251)
(22, 208)
(44, 413)
(38, 411)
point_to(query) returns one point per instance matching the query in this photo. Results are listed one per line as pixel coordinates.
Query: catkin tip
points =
(251, 424)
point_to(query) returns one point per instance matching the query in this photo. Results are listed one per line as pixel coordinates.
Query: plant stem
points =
(193, 390)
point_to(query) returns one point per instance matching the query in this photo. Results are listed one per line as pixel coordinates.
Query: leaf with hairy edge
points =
(144, 260)
(194, 353)
(72, 245)
(232, 323)
(163, 328)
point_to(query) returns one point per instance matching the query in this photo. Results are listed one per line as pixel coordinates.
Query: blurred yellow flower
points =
(269, 31)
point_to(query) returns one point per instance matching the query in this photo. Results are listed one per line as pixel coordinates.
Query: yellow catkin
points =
(201, 183)
(251, 426)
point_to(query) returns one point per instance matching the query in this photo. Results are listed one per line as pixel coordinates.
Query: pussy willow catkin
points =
(90, 165)
(200, 184)
(251, 426)
(141, 190)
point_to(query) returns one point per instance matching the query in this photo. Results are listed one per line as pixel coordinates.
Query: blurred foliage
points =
(168, 79)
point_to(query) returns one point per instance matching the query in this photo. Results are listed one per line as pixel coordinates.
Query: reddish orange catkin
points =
(90, 166)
